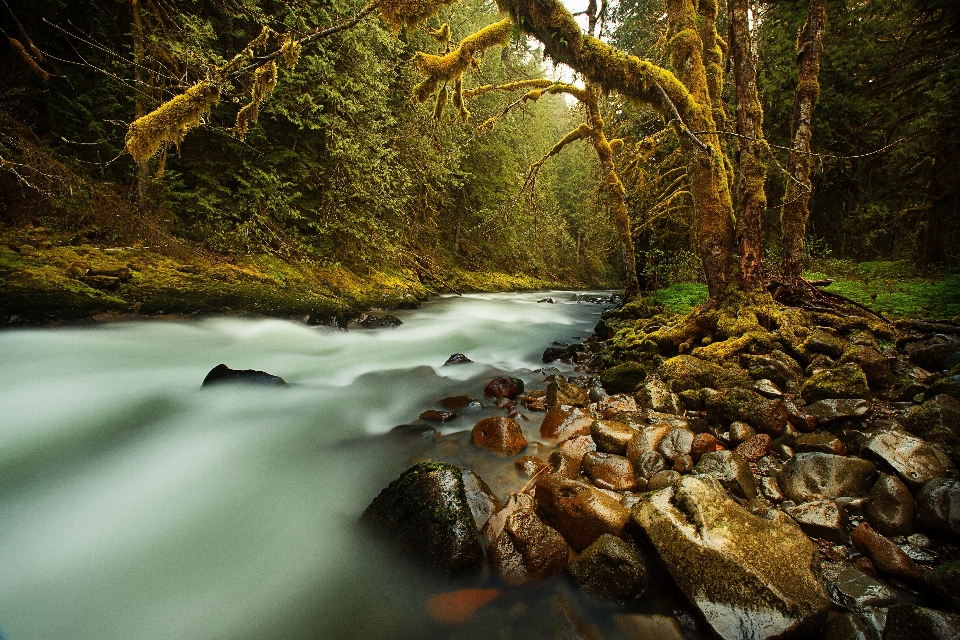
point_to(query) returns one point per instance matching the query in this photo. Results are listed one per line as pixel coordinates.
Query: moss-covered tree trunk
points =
(751, 198)
(796, 207)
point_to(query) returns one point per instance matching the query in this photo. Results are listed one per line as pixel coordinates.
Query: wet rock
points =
(857, 591)
(370, 321)
(649, 463)
(578, 511)
(770, 490)
(520, 546)
(818, 362)
(425, 512)
(884, 554)
(222, 374)
(704, 443)
(662, 479)
(457, 607)
(825, 343)
(551, 354)
(689, 372)
(561, 424)
(756, 447)
(941, 586)
(457, 358)
(801, 419)
(820, 519)
(846, 626)
(608, 471)
(875, 366)
(562, 392)
(936, 420)
(938, 508)
(683, 464)
(720, 556)
(946, 385)
(481, 499)
(500, 435)
(740, 431)
(778, 367)
(676, 443)
(503, 387)
(931, 353)
(744, 405)
(565, 465)
(654, 394)
(911, 458)
(535, 400)
(910, 622)
(646, 440)
(864, 565)
(623, 378)
(820, 442)
(456, 403)
(843, 381)
(612, 437)
(531, 465)
(767, 389)
(832, 410)
(648, 627)
(619, 403)
(910, 381)
(437, 416)
(812, 476)
(731, 470)
(578, 446)
(611, 569)
(891, 508)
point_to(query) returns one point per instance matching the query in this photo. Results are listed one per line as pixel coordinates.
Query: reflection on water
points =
(135, 506)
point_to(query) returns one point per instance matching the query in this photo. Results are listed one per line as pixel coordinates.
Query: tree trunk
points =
(751, 198)
(796, 207)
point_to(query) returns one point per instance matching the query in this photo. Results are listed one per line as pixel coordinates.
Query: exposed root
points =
(805, 294)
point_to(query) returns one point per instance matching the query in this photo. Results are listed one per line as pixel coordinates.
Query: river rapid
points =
(133, 505)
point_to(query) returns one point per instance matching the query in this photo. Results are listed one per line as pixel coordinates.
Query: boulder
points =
(530, 465)
(938, 508)
(577, 446)
(890, 507)
(941, 586)
(676, 443)
(649, 463)
(503, 387)
(520, 546)
(581, 513)
(623, 378)
(481, 499)
(663, 479)
(875, 366)
(565, 465)
(426, 513)
(740, 431)
(457, 358)
(778, 367)
(456, 403)
(816, 476)
(654, 394)
(745, 405)
(608, 471)
(684, 463)
(911, 458)
(704, 443)
(386, 321)
(767, 389)
(820, 442)
(689, 372)
(820, 519)
(945, 385)
(555, 353)
(615, 405)
(910, 622)
(611, 569)
(884, 554)
(843, 381)
(846, 626)
(756, 447)
(635, 626)
(222, 374)
(562, 423)
(731, 470)
(611, 436)
(500, 435)
(833, 410)
(770, 489)
(437, 416)
(936, 420)
(722, 559)
(561, 392)
(931, 352)
(646, 440)
(825, 343)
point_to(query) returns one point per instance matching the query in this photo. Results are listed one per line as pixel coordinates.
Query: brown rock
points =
(648, 464)
(610, 568)
(503, 387)
(756, 447)
(562, 423)
(863, 565)
(676, 443)
(437, 416)
(683, 464)
(609, 471)
(646, 440)
(535, 400)
(885, 555)
(662, 479)
(531, 465)
(891, 507)
(565, 465)
(520, 546)
(617, 404)
(577, 446)
(611, 436)
(704, 443)
(820, 519)
(455, 403)
(823, 442)
(500, 435)
(561, 392)
(578, 511)
(740, 432)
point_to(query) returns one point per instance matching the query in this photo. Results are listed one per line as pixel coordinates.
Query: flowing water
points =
(135, 506)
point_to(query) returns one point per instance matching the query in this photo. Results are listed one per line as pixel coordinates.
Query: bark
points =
(796, 207)
(751, 198)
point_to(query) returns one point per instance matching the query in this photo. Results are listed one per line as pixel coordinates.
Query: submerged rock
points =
(722, 558)
(520, 546)
(457, 358)
(222, 374)
(610, 568)
(500, 435)
(427, 514)
(503, 387)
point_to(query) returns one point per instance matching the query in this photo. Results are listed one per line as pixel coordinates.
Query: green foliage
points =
(680, 297)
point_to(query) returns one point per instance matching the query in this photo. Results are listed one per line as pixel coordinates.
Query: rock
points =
(561, 392)
(778, 367)
(662, 479)
(689, 372)
(770, 490)
(646, 440)
(744, 405)
(121, 273)
(843, 381)
(551, 354)
(875, 365)
(648, 627)
(820, 519)
(612, 437)
(756, 447)
(731, 470)
(531, 465)
(548, 300)
(500, 435)
(910, 622)
(911, 458)
(704, 443)
(623, 378)
(825, 343)
(503, 387)
(832, 410)
(578, 511)
(818, 363)
(683, 464)
(891, 507)
(481, 499)
(884, 554)
(946, 385)
(938, 508)
(648, 464)
(565, 465)
(425, 512)
(437, 416)
(657, 419)
(857, 591)
(676, 443)
(386, 321)
(800, 419)
(936, 420)
(941, 585)
(608, 471)
(654, 394)
(612, 406)
(103, 283)
(222, 374)
(610, 569)
(535, 400)
(457, 607)
(520, 546)
(820, 442)
(932, 352)
(813, 476)
(456, 403)
(722, 559)
(457, 358)
(846, 626)
(578, 446)
(561, 424)
(767, 389)
(740, 431)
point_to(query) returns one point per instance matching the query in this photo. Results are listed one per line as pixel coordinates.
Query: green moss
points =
(623, 378)
(679, 297)
(843, 381)
(688, 372)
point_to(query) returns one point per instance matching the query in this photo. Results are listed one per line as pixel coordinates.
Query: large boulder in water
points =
(222, 374)
(750, 577)
(581, 513)
(426, 512)
(521, 547)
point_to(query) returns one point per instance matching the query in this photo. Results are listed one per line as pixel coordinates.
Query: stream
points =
(133, 505)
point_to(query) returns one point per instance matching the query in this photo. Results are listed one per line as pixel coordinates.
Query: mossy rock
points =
(690, 373)
(623, 378)
(843, 381)
(745, 405)
(825, 343)
(876, 366)
(636, 310)
(947, 385)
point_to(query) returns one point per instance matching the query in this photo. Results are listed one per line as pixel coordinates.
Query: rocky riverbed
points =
(806, 491)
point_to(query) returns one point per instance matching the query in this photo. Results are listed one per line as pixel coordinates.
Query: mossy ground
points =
(44, 278)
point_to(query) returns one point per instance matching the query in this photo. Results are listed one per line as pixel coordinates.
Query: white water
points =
(135, 506)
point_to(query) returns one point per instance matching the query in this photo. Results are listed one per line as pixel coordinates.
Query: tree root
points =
(804, 294)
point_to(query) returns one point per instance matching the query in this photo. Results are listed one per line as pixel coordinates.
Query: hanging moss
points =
(170, 121)
(290, 50)
(409, 13)
(264, 81)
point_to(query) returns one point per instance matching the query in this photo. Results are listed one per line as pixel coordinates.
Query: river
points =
(134, 506)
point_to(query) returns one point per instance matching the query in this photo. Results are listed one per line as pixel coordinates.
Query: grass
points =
(679, 297)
